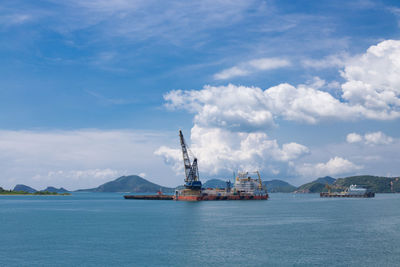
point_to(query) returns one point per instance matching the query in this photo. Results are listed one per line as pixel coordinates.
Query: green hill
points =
(275, 186)
(24, 188)
(316, 186)
(214, 183)
(132, 183)
(325, 180)
(55, 190)
(376, 184)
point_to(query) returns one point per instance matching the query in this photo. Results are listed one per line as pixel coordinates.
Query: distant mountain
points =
(55, 190)
(275, 186)
(132, 183)
(25, 188)
(325, 180)
(215, 183)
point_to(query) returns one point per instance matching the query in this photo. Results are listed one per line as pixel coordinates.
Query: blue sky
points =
(106, 72)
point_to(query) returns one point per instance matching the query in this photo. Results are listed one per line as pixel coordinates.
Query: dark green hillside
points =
(316, 186)
(374, 183)
(275, 186)
(55, 190)
(132, 183)
(325, 180)
(25, 188)
(312, 187)
(215, 183)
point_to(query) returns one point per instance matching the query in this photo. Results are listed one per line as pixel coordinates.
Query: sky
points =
(92, 90)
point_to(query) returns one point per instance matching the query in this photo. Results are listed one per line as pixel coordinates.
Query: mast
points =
(192, 180)
(186, 159)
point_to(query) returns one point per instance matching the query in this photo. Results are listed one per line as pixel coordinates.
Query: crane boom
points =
(192, 180)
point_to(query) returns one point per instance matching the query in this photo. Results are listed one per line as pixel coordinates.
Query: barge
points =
(159, 196)
(353, 191)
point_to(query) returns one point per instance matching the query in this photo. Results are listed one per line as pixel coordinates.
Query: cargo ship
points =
(245, 187)
(352, 191)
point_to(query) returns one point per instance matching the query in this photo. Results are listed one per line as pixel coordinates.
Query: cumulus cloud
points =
(251, 108)
(334, 166)
(373, 79)
(222, 151)
(371, 91)
(354, 138)
(237, 108)
(374, 138)
(377, 138)
(249, 67)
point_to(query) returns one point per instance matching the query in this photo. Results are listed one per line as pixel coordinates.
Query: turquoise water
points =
(103, 229)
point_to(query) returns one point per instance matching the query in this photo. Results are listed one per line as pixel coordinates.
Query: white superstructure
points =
(247, 185)
(355, 190)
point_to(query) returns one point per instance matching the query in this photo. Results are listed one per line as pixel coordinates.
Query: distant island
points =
(21, 189)
(13, 192)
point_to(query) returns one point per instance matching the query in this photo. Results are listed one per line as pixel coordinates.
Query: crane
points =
(192, 180)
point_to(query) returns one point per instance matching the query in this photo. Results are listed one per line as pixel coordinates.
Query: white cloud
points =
(334, 166)
(354, 138)
(377, 138)
(371, 91)
(15, 19)
(222, 151)
(80, 158)
(374, 138)
(138, 20)
(331, 61)
(237, 108)
(252, 66)
(231, 72)
(268, 63)
(243, 108)
(373, 79)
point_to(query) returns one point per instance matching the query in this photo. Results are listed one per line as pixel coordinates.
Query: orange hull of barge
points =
(211, 198)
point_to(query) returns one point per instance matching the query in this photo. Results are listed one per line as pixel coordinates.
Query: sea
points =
(104, 229)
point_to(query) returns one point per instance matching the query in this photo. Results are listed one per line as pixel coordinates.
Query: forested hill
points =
(377, 184)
